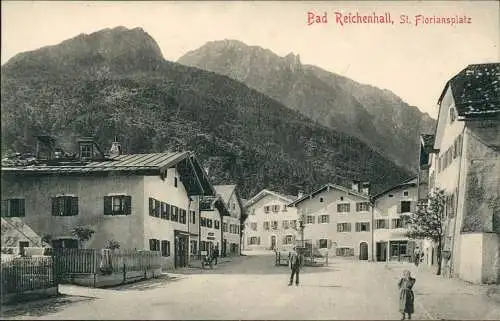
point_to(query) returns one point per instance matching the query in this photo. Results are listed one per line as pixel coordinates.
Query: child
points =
(406, 296)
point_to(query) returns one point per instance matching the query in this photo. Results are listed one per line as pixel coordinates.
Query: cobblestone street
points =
(251, 287)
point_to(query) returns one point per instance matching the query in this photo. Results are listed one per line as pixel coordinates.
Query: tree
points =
(428, 222)
(83, 233)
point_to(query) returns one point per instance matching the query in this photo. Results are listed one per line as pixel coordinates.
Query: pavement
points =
(251, 287)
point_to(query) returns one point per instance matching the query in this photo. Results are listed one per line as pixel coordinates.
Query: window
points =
(64, 206)
(193, 217)
(276, 208)
(165, 248)
(341, 198)
(284, 208)
(405, 193)
(86, 151)
(293, 224)
(254, 240)
(154, 207)
(209, 223)
(450, 206)
(154, 245)
(203, 221)
(216, 224)
(253, 226)
(233, 206)
(323, 219)
(321, 200)
(405, 206)
(274, 225)
(381, 224)
(174, 213)
(309, 219)
(343, 208)
(285, 225)
(288, 239)
(397, 223)
(117, 205)
(224, 227)
(362, 207)
(343, 227)
(175, 181)
(390, 195)
(165, 211)
(452, 115)
(345, 251)
(362, 227)
(253, 211)
(182, 216)
(266, 209)
(14, 207)
(323, 243)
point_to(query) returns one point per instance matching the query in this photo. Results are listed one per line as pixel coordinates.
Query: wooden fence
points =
(25, 274)
(74, 262)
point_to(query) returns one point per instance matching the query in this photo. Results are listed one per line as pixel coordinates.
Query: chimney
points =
(116, 149)
(355, 186)
(365, 188)
(300, 194)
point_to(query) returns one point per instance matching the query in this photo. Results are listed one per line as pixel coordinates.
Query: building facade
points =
(270, 224)
(231, 224)
(213, 211)
(391, 210)
(466, 164)
(337, 220)
(141, 201)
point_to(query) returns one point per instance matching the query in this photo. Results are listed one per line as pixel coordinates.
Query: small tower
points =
(116, 148)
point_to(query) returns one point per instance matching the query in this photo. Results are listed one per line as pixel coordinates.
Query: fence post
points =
(124, 272)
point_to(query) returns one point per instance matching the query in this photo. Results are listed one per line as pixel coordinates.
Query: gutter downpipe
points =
(372, 205)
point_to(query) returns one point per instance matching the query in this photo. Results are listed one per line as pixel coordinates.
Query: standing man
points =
(296, 261)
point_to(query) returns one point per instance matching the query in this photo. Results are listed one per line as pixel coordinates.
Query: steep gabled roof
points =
(410, 182)
(326, 187)
(264, 193)
(476, 91)
(190, 170)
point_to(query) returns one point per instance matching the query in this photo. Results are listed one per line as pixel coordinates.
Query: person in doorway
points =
(406, 296)
(296, 260)
(216, 253)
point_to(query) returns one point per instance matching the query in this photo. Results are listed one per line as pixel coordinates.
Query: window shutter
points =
(258, 240)
(162, 211)
(151, 244)
(399, 208)
(167, 211)
(151, 206)
(107, 205)
(329, 244)
(157, 208)
(128, 204)
(74, 205)
(284, 240)
(5, 208)
(318, 243)
(22, 208)
(54, 206)
(313, 219)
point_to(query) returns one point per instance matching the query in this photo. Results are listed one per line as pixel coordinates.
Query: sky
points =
(413, 61)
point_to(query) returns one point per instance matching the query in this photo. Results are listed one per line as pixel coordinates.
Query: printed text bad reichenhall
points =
(386, 18)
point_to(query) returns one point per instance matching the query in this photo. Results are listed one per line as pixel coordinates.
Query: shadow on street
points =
(41, 307)
(145, 285)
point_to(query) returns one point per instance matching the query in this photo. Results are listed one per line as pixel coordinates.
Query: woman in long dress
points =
(406, 296)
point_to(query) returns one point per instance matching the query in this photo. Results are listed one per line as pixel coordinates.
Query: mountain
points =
(377, 117)
(115, 82)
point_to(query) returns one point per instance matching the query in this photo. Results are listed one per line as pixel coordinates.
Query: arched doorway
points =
(363, 251)
(273, 242)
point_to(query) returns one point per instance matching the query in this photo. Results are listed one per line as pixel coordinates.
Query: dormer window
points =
(453, 115)
(86, 150)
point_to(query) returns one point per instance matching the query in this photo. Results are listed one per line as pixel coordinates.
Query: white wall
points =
(259, 216)
(165, 191)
